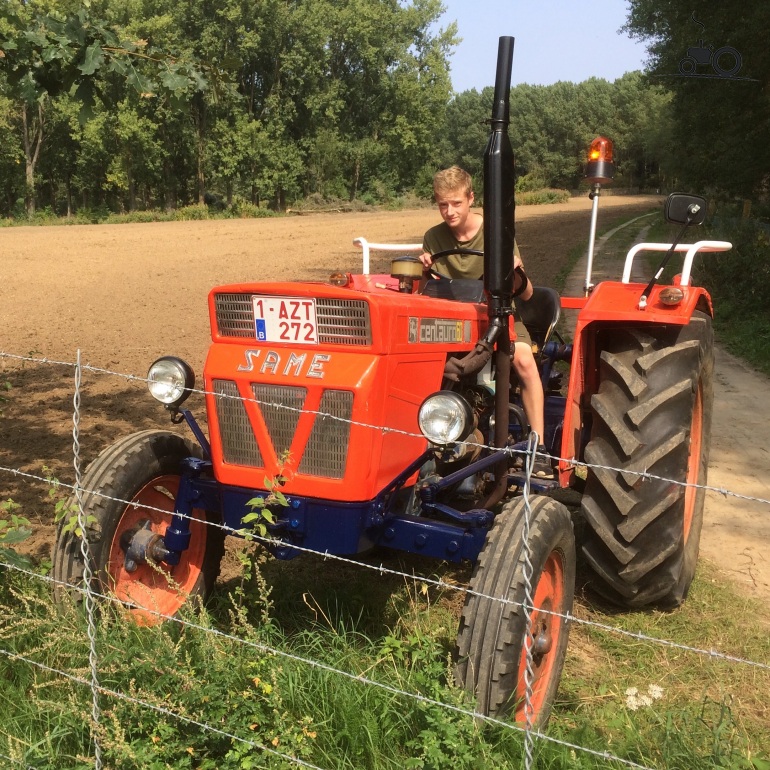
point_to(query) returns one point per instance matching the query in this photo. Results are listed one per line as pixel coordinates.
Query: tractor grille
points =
(340, 321)
(327, 448)
(239, 447)
(281, 423)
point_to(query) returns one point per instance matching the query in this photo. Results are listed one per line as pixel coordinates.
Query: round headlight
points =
(445, 417)
(170, 380)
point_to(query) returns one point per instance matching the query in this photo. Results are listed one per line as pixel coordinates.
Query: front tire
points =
(143, 468)
(490, 645)
(652, 413)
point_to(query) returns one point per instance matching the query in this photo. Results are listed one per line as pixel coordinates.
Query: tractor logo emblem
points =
(439, 330)
(293, 365)
(725, 61)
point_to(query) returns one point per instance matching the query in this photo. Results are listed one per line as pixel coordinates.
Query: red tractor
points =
(388, 416)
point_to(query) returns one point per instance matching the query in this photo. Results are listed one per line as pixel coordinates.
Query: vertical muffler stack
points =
(499, 232)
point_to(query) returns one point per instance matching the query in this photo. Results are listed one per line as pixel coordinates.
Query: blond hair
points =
(451, 180)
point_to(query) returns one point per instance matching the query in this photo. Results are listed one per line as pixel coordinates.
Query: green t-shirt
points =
(441, 238)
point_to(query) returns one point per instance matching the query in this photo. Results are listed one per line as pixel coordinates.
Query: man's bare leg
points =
(531, 388)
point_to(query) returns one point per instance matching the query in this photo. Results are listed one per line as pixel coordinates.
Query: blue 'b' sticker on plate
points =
(261, 329)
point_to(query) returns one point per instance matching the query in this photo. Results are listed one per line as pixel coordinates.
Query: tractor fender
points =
(611, 303)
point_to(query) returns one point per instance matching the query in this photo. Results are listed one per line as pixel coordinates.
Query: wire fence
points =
(92, 597)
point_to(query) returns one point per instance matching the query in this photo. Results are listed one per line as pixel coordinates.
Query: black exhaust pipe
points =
(499, 232)
(499, 205)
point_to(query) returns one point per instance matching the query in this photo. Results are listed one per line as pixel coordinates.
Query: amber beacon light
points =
(600, 170)
(600, 167)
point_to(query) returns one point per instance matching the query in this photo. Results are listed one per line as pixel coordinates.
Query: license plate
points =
(285, 319)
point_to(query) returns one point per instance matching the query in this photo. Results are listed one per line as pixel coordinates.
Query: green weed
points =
(14, 529)
(65, 506)
(658, 706)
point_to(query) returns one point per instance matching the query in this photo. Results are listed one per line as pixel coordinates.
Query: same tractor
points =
(386, 414)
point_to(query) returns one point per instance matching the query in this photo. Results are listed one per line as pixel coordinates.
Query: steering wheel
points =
(446, 253)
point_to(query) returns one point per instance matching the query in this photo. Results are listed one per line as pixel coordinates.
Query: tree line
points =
(151, 104)
(714, 60)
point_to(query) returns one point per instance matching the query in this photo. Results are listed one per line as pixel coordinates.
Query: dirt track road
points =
(126, 294)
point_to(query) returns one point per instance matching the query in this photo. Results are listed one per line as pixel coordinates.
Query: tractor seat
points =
(540, 314)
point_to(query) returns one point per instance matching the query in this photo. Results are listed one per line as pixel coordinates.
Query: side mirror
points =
(683, 209)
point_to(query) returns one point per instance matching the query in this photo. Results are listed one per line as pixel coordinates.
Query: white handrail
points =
(691, 248)
(366, 247)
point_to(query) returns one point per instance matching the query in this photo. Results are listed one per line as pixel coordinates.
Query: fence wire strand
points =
(93, 659)
(607, 755)
(529, 640)
(159, 709)
(434, 582)
(573, 462)
(529, 456)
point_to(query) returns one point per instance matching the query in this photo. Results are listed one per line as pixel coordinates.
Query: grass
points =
(390, 630)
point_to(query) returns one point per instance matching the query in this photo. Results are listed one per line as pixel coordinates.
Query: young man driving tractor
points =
(463, 228)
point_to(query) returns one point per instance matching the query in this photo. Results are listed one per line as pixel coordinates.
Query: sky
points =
(555, 40)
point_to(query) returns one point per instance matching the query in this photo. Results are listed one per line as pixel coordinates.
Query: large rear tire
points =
(490, 645)
(142, 468)
(652, 413)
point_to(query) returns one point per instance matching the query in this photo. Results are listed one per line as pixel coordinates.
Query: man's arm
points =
(522, 286)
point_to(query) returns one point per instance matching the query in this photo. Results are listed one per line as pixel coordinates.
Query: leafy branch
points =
(261, 516)
(14, 529)
(65, 507)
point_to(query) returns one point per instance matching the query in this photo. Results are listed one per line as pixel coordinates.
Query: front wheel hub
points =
(542, 645)
(140, 545)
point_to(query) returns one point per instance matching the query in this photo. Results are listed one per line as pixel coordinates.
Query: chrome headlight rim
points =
(445, 418)
(170, 381)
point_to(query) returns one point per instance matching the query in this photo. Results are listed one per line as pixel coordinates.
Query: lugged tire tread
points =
(626, 437)
(603, 527)
(625, 498)
(633, 383)
(646, 363)
(630, 528)
(628, 514)
(639, 414)
(657, 452)
(490, 636)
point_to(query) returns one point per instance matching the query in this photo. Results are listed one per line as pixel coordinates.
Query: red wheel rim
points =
(693, 463)
(548, 598)
(148, 586)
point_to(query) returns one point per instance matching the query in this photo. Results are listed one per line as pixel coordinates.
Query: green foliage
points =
(14, 529)
(66, 509)
(45, 56)
(349, 101)
(243, 209)
(705, 151)
(261, 516)
(192, 212)
(536, 197)
(401, 638)
(323, 97)
(739, 283)
(555, 124)
(49, 54)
